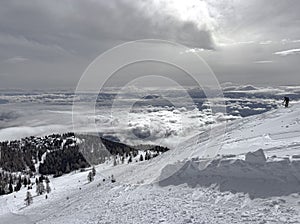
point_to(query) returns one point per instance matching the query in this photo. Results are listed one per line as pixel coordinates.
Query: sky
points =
(48, 44)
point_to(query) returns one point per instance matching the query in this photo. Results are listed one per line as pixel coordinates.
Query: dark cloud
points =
(60, 37)
(83, 27)
(49, 43)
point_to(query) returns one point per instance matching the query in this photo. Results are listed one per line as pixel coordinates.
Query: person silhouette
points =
(286, 101)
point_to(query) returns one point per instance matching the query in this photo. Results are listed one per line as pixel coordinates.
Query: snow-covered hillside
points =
(208, 179)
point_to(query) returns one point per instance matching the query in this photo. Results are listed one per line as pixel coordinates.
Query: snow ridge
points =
(256, 177)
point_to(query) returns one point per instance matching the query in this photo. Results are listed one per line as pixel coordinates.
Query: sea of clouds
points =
(151, 119)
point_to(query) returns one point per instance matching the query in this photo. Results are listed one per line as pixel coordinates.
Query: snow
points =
(188, 184)
(271, 178)
(121, 203)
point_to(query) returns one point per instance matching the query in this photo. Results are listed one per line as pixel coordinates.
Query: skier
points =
(286, 101)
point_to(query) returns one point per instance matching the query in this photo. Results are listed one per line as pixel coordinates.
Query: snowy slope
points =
(137, 198)
(276, 132)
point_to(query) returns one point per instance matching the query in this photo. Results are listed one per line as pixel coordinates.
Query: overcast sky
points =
(49, 43)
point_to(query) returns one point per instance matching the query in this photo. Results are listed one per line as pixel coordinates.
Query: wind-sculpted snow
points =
(275, 177)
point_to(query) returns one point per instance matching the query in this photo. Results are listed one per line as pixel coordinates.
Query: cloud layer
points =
(50, 43)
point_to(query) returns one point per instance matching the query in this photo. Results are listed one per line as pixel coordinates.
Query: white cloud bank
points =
(288, 52)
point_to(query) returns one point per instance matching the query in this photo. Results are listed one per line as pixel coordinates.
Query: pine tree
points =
(147, 156)
(90, 177)
(115, 161)
(130, 159)
(28, 199)
(18, 186)
(141, 158)
(94, 171)
(48, 188)
(25, 182)
(47, 180)
(41, 178)
(10, 188)
(40, 188)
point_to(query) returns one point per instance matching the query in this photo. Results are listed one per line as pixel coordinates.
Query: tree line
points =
(58, 154)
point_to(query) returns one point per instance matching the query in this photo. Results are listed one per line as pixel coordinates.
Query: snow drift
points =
(255, 175)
